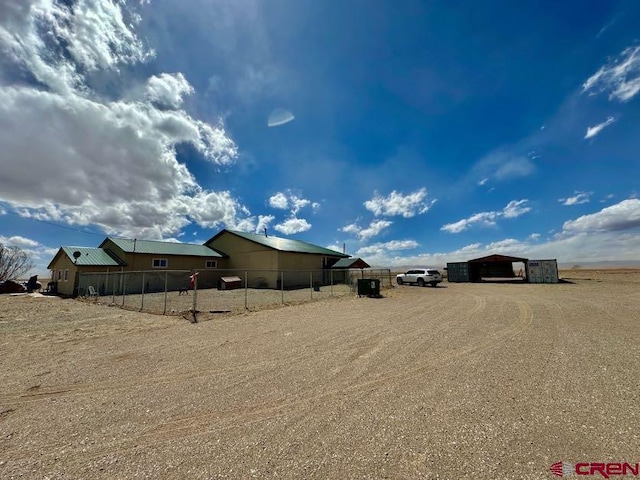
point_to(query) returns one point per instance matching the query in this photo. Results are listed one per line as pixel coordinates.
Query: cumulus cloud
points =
(101, 157)
(391, 246)
(293, 225)
(279, 200)
(578, 199)
(620, 78)
(372, 230)
(168, 90)
(397, 204)
(263, 222)
(513, 209)
(18, 241)
(289, 200)
(596, 129)
(621, 216)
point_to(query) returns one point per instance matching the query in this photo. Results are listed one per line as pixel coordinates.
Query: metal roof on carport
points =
(498, 259)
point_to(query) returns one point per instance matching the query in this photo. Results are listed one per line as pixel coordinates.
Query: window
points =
(160, 263)
(59, 275)
(211, 264)
(66, 275)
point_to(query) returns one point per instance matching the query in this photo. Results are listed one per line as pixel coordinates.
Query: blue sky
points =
(413, 132)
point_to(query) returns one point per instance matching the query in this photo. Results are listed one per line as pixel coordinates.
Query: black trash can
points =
(369, 287)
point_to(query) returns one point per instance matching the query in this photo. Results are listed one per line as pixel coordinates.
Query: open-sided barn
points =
(492, 267)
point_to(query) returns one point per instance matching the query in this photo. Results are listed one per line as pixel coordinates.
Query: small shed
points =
(230, 283)
(341, 269)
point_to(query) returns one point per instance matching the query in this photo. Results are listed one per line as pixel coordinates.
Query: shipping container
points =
(542, 271)
(458, 272)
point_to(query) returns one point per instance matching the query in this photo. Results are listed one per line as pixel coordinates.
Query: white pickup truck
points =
(420, 276)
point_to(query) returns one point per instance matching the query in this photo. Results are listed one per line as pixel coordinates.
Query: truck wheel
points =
(399, 280)
(420, 282)
(434, 284)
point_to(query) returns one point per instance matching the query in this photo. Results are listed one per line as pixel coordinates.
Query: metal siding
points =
(458, 272)
(542, 271)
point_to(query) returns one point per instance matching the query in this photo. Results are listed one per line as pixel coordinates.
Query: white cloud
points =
(392, 246)
(279, 200)
(263, 222)
(514, 168)
(611, 234)
(397, 204)
(18, 241)
(168, 90)
(516, 208)
(372, 230)
(621, 216)
(620, 78)
(100, 158)
(503, 165)
(513, 209)
(293, 225)
(288, 199)
(596, 129)
(578, 199)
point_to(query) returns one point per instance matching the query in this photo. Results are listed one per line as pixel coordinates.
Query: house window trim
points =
(208, 262)
(66, 274)
(162, 263)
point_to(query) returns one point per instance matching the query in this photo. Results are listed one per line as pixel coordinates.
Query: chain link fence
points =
(182, 292)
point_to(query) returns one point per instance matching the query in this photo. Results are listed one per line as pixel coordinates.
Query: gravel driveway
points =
(460, 381)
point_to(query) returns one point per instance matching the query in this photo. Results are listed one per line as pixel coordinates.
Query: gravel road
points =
(461, 381)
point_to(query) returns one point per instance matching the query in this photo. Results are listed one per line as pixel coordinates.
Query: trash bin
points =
(369, 287)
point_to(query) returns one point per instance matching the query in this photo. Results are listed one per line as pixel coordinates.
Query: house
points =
(126, 255)
(273, 260)
(149, 265)
(68, 261)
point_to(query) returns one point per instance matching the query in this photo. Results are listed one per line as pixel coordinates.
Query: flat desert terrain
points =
(495, 381)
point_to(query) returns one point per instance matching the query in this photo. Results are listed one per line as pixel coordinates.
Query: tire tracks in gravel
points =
(363, 350)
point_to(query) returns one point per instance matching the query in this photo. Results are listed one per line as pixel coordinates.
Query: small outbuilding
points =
(230, 283)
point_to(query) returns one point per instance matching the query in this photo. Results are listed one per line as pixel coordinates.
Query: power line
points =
(56, 225)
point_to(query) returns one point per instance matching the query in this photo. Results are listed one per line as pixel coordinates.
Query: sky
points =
(405, 133)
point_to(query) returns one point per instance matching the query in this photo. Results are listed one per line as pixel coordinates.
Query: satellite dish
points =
(77, 254)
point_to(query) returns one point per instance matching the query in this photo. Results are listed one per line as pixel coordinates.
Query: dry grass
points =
(460, 381)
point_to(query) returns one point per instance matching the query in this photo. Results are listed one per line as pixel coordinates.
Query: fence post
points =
(166, 281)
(124, 288)
(142, 294)
(282, 284)
(311, 283)
(331, 280)
(113, 294)
(195, 296)
(246, 291)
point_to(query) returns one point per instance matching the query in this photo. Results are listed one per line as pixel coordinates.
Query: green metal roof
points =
(285, 244)
(164, 248)
(350, 262)
(92, 257)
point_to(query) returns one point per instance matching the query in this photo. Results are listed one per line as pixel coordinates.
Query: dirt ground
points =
(461, 381)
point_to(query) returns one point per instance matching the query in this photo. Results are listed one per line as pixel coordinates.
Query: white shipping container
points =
(543, 271)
